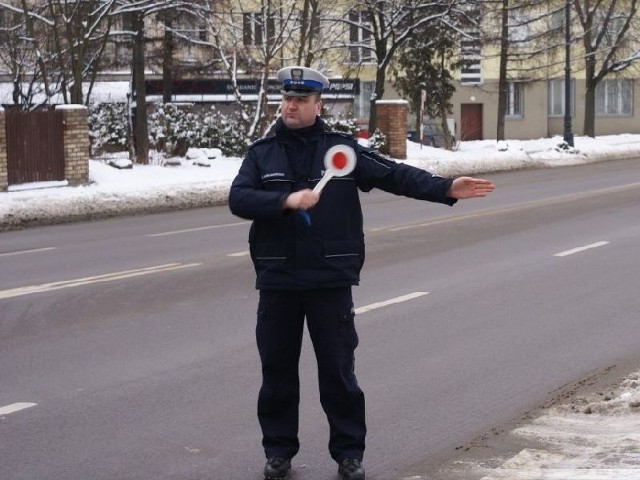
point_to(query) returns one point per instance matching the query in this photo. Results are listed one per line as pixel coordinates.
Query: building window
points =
(611, 26)
(190, 28)
(4, 27)
(471, 72)
(515, 100)
(614, 98)
(556, 97)
(128, 20)
(253, 29)
(362, 104)
(471, 50)
(360, 49)
(518, 26)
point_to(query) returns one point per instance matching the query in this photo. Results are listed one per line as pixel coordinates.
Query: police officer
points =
(307, 250)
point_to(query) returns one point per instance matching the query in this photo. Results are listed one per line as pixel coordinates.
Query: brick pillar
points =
(4, 179)
(392, 121)
(76, 143)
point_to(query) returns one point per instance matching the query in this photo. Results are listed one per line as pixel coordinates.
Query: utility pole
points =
(568, 135)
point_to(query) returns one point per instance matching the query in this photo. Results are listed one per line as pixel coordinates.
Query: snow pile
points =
(118, 191)
(592, 438)
(202, 177)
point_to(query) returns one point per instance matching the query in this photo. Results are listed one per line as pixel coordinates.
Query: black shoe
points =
(277, 468)
(351, 469)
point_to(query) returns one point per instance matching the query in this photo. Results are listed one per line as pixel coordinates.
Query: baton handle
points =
(328, 175)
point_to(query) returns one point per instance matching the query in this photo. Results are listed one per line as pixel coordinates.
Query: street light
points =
(568, 136)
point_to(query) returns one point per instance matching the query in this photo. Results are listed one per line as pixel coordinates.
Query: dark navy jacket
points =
(290, 253)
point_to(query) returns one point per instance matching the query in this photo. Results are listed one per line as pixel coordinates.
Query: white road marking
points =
(15, 407)
(513, 208)
(581, 249)
(108, 277)
(239, 254)
(24, 252)
(196, 229)
(403, 298)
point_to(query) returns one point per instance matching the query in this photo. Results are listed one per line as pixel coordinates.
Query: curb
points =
(114, 204)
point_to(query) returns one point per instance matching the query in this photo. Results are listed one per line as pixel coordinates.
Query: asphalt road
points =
(127, 345)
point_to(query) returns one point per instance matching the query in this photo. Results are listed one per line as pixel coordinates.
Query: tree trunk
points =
(503, 86)
(446, 133)
(378, 94)
(168, 46)
(590, 109)
(140, 123)
(590, 95)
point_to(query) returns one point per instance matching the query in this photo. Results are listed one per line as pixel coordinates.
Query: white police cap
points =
(301, 81)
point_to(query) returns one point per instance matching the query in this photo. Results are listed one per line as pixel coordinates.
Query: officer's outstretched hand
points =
(301, 200)
(469, 187)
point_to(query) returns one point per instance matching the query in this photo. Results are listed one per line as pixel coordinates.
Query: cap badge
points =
(296, 75)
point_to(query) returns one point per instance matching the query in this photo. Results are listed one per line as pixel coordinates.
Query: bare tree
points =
(309, 32)
(79, 34)
(252, 42)
(18, 58)
(609, 31)
(527, 41)
(385, 25)
(66, 41)
(137, 11)
(503, 87)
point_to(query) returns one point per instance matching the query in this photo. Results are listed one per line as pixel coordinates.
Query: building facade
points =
(228, 54)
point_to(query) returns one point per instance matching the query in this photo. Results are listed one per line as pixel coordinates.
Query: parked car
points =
(432, 135)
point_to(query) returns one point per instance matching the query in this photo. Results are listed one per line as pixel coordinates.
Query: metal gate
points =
(35, 146)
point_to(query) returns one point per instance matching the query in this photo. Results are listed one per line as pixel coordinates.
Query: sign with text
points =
(340, 86)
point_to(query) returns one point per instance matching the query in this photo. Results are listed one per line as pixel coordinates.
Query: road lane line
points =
(15, 407)
(196, 229)
(513, 208)
(239, 254)
(24, 252)
(108, 277)
(572, 251)
(403, 298)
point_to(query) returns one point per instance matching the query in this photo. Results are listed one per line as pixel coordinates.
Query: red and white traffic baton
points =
(340, 160)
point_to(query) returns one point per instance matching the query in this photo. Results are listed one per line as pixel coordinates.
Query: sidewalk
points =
(149, 189)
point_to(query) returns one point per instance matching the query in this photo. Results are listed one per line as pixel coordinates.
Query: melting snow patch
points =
(596, 438)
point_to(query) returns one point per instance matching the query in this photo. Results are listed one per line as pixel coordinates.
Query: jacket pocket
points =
(277, 185)
(341, 248)
(269, 251)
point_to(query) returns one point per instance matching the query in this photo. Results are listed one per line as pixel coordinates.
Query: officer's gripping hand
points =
(301, 200)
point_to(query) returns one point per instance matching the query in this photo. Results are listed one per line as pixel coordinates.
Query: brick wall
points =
(3, 152)
(76, 143)
(392, 122)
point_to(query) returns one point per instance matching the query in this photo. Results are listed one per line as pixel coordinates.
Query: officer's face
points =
(300, 112)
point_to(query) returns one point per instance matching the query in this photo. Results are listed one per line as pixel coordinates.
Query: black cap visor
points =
(298, 91)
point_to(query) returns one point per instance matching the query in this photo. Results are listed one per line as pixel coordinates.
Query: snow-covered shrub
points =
(174, 129)
(221, 131)
(378, 141)
(349, 125)
(342, 124)
(108, 127)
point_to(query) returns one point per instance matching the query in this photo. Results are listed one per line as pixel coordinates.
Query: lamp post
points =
(568, 135)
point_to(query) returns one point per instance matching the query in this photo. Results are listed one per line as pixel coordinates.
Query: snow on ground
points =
(590, 439)
(185, 184)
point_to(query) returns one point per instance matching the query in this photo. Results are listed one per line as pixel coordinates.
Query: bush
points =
(174, 129)
(378, 141)
(349, 125)
(342, 124)
(108, 127)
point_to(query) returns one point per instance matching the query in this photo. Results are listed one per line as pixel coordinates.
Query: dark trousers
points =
(330, 321)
